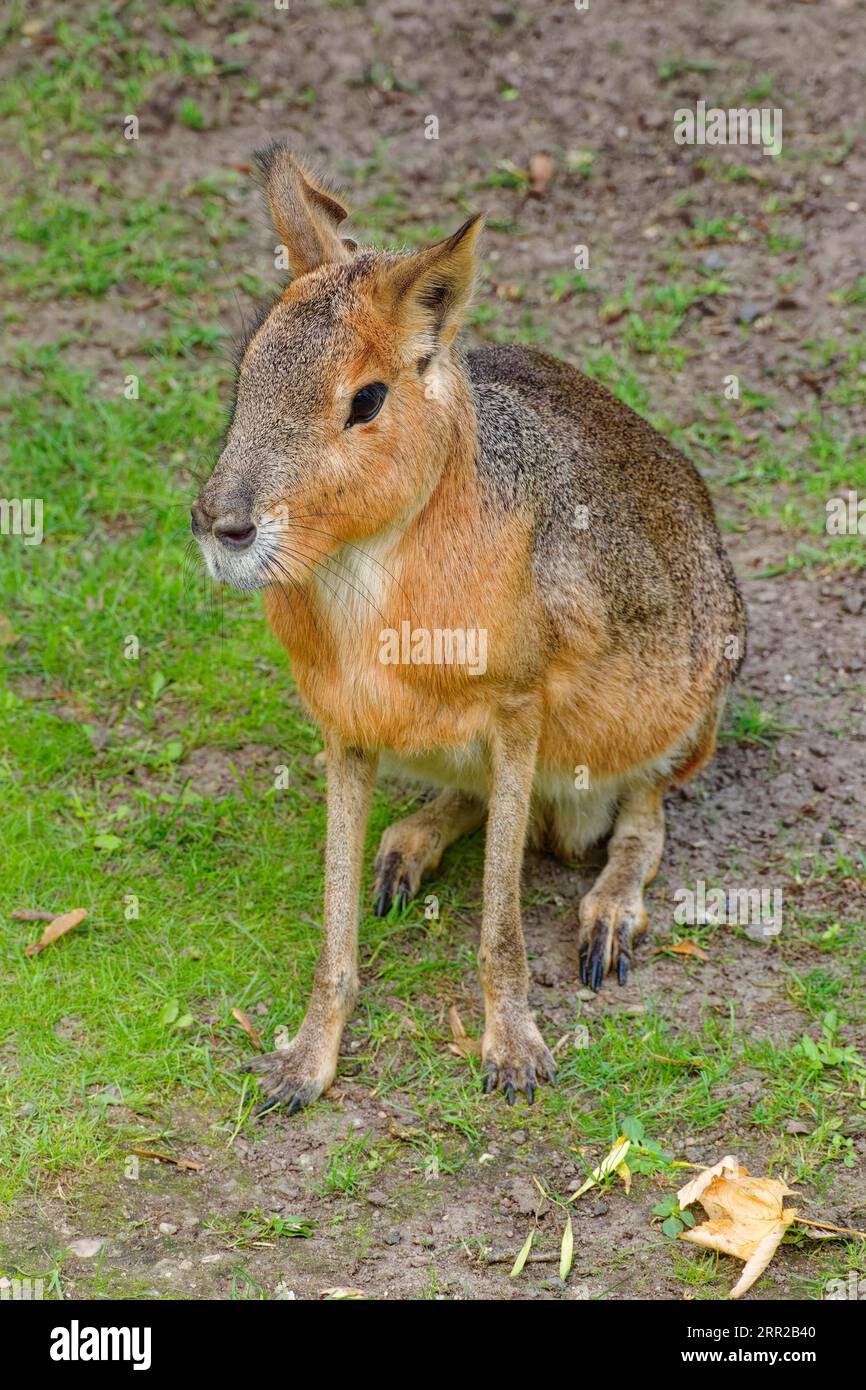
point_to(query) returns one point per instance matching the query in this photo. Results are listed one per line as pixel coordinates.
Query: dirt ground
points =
(585, 81)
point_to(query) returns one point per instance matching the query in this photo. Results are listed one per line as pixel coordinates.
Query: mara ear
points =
(306, 216)
(426, 293)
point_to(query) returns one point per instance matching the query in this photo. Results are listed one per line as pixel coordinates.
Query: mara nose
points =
(232, 530)
(237, 534)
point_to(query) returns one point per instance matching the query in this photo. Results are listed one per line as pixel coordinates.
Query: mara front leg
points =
(514, 1054)
(307, 1067)
(612, 914)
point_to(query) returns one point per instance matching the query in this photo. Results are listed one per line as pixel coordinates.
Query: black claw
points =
(509, 1093)
(622, 968)
(489, 1083)
(383, 903)
(597, 961)
(294, 1105)
(265, 1106)
(530, 1092)
(584, 966)
(401, 898)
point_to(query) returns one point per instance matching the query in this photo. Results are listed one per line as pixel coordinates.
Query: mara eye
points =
(366, 403)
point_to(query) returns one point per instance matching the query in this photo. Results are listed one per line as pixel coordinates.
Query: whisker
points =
(315, 573)
(367, 556)
(321, 560)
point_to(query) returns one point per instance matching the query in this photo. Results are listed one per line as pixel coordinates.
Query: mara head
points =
(349, 397)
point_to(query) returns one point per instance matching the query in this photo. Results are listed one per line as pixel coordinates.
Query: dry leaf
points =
(566, 1253)
(331, 1294)
(462, 1045)
(624, 1172)
(694, 1189)
(523, 1256)
(58, 926)
(683, 948)
(187, 1163)
(32, 914)
(540, 169)
(248, 1028)
(747, 1218)
(607, 1165)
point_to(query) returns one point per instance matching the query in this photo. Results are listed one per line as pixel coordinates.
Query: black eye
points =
(366, 403)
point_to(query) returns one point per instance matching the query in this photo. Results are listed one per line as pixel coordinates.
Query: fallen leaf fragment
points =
(540, 169)
(624, 1172)
(693, 1190)
(335, 1293)
(607, 1165)
(32, 914)
(566, 1254)
(683, 948)
(523, 1256)
(462, 1045)
(747, 1218)
(248, 1028)
(188, 1163)
(58, 926)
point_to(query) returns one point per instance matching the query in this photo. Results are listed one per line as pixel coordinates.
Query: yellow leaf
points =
(59, 926)
(566, 1253)
(607, 1165)
(625, 1173)
(523, 1256)
(693, 1190)
(251, 1032)
(462, 1045)
(747, 1218)
(683, 948)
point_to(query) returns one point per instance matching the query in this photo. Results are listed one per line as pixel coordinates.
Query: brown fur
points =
(454, 508)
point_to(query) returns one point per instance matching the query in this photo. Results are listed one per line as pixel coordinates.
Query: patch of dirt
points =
(165, 1231)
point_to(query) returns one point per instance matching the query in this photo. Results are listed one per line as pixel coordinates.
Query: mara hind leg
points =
(612, 914)
(413, 847)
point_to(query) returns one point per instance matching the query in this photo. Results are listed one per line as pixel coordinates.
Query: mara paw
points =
(515, 1055)
(294, 1077)
(609, 927)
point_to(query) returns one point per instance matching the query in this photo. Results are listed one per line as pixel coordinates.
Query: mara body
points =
(489, 574)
